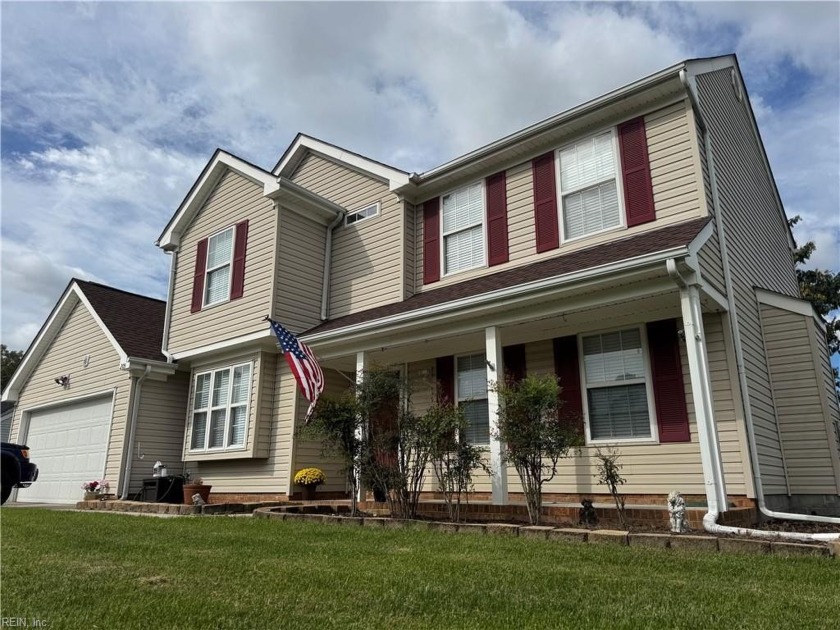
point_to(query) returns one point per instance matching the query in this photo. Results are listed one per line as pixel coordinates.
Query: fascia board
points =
(223, 345)
(545, 125)
(213, 172)
(139, 364)
(494, 298)
(304, 200)
(788, 303)
(59, 315)
(303, 143)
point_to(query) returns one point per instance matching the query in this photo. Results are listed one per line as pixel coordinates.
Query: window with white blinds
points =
(462, 214)
(471, 392)
(588, 186)
(615, 375)
(220, 408)
(219, 259)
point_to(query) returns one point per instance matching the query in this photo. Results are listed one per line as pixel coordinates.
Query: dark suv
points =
(17, 471)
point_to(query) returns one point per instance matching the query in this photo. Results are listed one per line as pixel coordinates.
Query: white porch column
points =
(361, 365)
(701, 388)
(493, 354)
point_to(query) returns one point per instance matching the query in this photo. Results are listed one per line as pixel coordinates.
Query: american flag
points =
(304, 365)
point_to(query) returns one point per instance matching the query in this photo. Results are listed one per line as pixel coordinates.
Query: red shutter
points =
(567, 368)
(668, 388)
(431, 241)
(198, 276)
(445, 374)
(513, 358)
(545, 203)
(237, 276)
(635, 169)
(497, 227)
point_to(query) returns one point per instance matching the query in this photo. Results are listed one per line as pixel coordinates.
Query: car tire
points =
(6, 491)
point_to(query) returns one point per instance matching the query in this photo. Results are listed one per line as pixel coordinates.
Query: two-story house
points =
(635, 246)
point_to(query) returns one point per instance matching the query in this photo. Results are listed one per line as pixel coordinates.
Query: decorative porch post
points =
(701, 390)
(361, 365)
(495, 373)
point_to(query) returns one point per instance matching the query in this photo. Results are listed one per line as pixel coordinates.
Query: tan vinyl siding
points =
(798, 389)
(300, 271)
(262, 373)
(758, 249)
(159, 435)
(367, 263)
(711, 264)
(234, 199)
(273, 474)
(677, 192)
(648, 468)
(409, 255)
(79, 337)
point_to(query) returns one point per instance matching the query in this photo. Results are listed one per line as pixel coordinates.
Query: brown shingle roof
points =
(669, 237)
(135, 321)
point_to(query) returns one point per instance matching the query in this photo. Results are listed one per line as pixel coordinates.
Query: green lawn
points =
(88, 570)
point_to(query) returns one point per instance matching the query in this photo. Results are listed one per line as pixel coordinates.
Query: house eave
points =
(494, 299)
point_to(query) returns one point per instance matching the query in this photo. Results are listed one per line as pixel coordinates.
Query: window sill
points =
(219, 455)
(205, 307)
(577, 239)
(625, 441)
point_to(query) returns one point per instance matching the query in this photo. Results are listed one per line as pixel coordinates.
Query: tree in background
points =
(821, 287)
(10, 360)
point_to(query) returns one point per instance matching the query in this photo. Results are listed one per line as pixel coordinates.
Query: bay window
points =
(220, 408)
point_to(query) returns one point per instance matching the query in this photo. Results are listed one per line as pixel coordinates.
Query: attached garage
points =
(94, 395)
(71, 442)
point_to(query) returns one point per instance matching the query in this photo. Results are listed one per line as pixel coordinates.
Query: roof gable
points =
(302, 145)
(220, 163)
(132, 323)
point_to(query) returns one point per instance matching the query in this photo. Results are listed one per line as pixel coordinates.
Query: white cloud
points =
(110, 110)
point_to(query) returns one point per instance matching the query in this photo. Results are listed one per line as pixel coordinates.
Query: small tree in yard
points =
(337, 424)
(453, 458)
(609, 474)
(534, 436)
(397, 441)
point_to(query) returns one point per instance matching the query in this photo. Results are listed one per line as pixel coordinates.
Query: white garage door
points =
(68, 444)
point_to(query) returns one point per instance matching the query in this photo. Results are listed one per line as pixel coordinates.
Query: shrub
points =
(609, 474)
(534, 436)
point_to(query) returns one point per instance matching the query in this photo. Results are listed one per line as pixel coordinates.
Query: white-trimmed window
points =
(471, 394)
(616, 384)
(589, 186)
(360, 215)
(220, 408)
(219, 261)
(462, 214)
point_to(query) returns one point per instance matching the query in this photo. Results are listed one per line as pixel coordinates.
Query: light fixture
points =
(490, 365)
(64, 381)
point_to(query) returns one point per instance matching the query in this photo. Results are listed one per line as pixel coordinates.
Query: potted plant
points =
(92, 490)
(195, 485)
(309, 479)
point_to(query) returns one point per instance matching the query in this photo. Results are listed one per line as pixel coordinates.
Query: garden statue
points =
(197, 500)
(676, 509)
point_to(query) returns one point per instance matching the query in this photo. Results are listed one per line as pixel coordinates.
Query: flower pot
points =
(308, 492)
(192, 488)
(91, 496)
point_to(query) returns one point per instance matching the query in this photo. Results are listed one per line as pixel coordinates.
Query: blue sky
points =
(110, 110)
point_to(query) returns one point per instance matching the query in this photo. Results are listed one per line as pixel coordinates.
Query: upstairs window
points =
(589, 186)
(615, 375)
(220, 409)
(471, 384)
(360, 215)
(219, 260)
(463, 228)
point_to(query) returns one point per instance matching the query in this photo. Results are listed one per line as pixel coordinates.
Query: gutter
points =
(325, 287)
(135, 408)
(710, 519)
(168, 315)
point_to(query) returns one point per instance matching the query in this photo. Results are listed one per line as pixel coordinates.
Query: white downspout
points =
(325, 291)
(168, 315)
(710, 520)
(135, 409)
